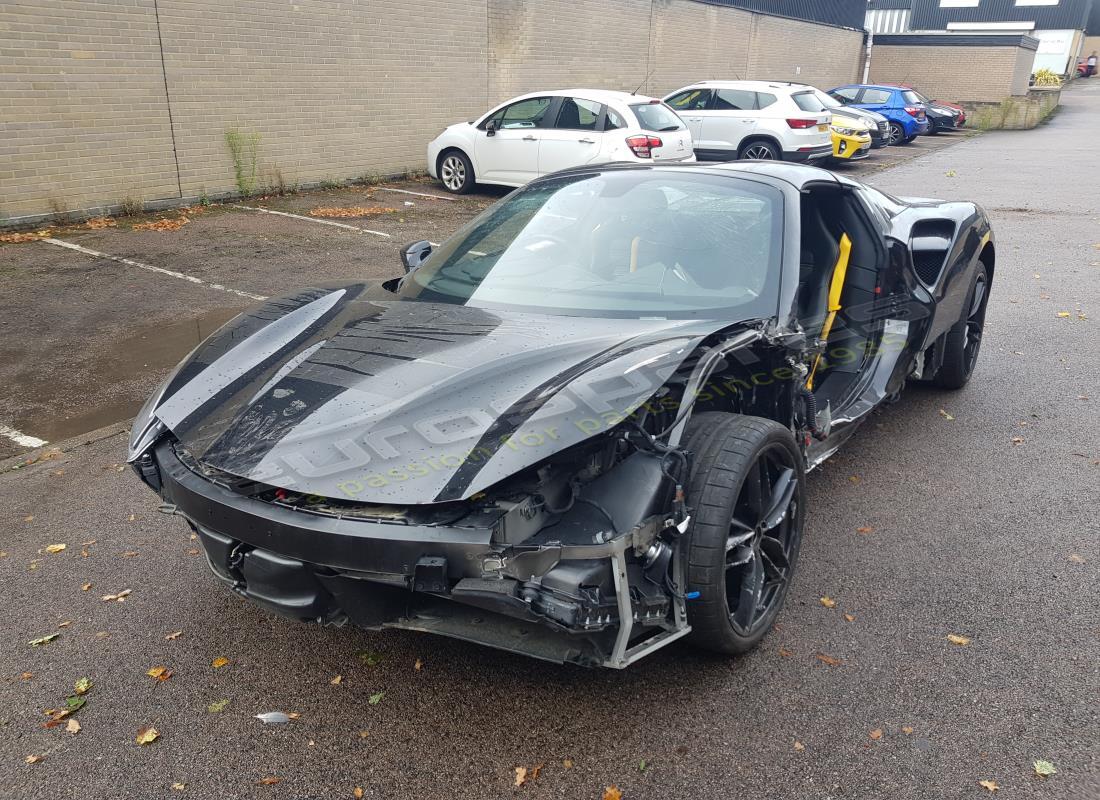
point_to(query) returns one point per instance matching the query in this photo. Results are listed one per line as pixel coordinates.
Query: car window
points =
(656, 117)
(524, 114)
(614, 120)
(691, 100)
(578, 114)
(875, 97)
(912, 97)
(763, 99)
(828, 100)
(846, 95)
(807, 102)
(734, 100)
(617, 244)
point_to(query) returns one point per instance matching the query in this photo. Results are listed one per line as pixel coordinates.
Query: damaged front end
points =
(576, 561)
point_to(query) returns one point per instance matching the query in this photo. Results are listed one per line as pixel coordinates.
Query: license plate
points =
(823, 127)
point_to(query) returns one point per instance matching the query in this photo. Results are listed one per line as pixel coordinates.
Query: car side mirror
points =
(415, 254)
(491, 128)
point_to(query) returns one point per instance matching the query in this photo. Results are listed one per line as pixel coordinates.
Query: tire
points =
(760, 150)
(897, 133)
(912, 138)
(456, 172)
(964, 340)
(728, 560)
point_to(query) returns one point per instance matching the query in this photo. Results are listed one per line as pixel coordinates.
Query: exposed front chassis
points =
(543, 600)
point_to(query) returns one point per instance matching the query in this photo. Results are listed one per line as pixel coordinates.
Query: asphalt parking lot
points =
(972, 515)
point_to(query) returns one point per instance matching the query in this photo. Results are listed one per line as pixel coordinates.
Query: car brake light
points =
(802, 123)
(913, 112)
(643, 145)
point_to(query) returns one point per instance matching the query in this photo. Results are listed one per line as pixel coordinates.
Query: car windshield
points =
(617, 244)
(656, 117)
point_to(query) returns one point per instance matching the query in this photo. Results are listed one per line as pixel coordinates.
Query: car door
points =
(687, 105)
(510, 153)
(874, 99)
(574, 138)
(731, 116)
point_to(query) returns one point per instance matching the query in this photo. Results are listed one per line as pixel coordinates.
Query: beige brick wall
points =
(955, 74)
(334, 89)
(83, 116)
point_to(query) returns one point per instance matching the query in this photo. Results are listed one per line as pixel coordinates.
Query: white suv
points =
(754, 119)
(542, 132)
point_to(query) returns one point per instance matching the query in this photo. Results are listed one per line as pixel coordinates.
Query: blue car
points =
(903, 107)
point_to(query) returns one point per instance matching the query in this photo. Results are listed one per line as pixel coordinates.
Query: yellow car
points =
(851, 138)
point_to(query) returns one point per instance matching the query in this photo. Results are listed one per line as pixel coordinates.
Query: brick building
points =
(108, 100)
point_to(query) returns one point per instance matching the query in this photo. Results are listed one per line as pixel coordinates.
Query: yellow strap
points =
(836, 285)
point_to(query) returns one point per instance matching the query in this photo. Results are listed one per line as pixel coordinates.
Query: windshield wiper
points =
(669, 128)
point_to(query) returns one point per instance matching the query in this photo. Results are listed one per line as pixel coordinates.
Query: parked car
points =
(941, 116)
(543, 132)
(851, 137)
(879, 126)
(907, 115)
(960, 120)
(754, 120)
(576, 429)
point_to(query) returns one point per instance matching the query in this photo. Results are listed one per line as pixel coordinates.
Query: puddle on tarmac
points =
(150, 349)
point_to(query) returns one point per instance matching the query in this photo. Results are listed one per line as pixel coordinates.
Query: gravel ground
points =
(974, 534)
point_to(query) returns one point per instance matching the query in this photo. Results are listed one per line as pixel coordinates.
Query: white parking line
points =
(418, 194)
(21, 439)
(314, 219)
(170, 273)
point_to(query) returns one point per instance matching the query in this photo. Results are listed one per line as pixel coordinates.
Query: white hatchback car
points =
(754, 119)
(539, 133)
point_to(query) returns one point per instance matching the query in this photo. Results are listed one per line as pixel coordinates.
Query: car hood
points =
(347, 392)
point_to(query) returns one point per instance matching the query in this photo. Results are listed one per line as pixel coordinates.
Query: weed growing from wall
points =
(244, 147)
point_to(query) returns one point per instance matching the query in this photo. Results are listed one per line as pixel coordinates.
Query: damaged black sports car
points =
(579, 428)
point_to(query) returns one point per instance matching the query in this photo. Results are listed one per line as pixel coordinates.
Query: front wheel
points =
(760, 151)
(964, 340)
(457, 172)
(746, 497)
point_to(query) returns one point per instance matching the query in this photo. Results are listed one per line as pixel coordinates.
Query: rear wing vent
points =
(930, 243)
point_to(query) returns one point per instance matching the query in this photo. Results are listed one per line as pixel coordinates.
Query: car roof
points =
(752, 86)
(884, 86)
(599, 95)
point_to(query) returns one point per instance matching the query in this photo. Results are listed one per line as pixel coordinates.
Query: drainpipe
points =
(870, 38)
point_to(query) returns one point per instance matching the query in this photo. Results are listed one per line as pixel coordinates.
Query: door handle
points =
(529, 138)
(587, 141)
(695, 119)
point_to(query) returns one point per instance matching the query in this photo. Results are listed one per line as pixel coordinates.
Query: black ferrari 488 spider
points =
(578, 429)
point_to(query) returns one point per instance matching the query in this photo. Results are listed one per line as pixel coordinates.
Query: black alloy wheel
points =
(746, 497)
(964, 340)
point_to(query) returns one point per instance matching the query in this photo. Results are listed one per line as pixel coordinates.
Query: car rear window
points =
(656, 117)
(912, 97)
(807, 102)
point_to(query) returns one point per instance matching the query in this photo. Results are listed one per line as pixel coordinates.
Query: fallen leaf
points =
(293, 715)
(828, 602)
(352, 211)
(41, 640)
(865, 529)
(950, 173)
(906, 729)
(88, 543)
(376, 698)
(273, 717)
(799, 746)
(364, 734)
(28, 519)
(990, 785)
(946, 416)
(854, 479)
(85, 587)
(179, 787)
(73, 726)
(1076, 559)
(612, 793)
(194, 551)
(370, 659)
(1044, 768)
(567, 763)
(33, 759)
(961, 641)
(173, 636)
(1018, 440)
(876, 734)
(217, 706)
(26, 675)
(337, 680)
(357, 792)
(65, 624)
(161, 225)
(119, 597)
(271, 780)
(55, 548)
(642, 765)
(783, 651)
(219, 662)
(82, 685)
(418, 665)
(147, 736)
(849, 617)
(160, 673)
(97, 223)
(129, 554)
(832, 662)
(521, 776)
(1064, 314)
(131, 518)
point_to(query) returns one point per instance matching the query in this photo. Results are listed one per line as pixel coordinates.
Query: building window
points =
(1036, 2)
(958, 3)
